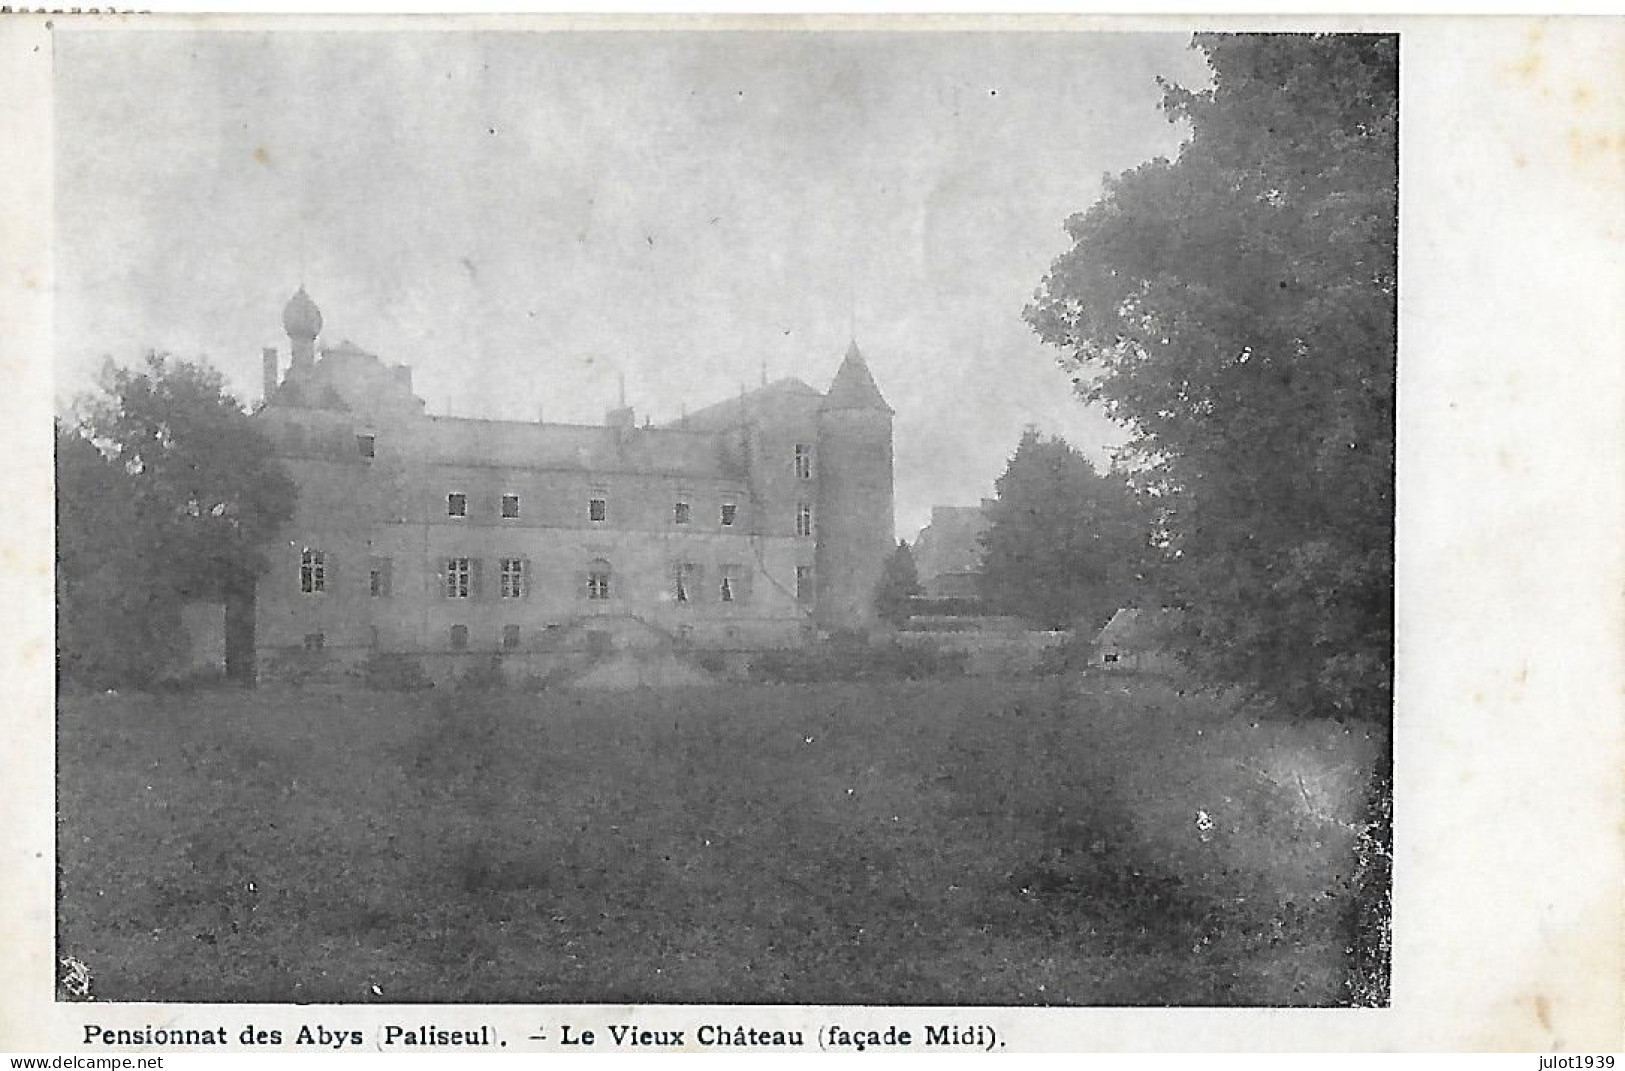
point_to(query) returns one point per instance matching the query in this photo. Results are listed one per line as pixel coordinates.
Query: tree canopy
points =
(1236, 309)
(166, 492)
(1065, 546)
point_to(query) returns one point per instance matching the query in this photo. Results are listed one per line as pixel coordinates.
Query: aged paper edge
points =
(1511, 559)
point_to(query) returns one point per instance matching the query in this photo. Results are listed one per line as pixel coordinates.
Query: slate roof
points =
(854, 387)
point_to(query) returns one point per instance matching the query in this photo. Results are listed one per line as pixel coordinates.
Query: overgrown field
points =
(939, 842)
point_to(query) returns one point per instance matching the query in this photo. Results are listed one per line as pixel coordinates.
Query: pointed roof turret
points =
(853, 386)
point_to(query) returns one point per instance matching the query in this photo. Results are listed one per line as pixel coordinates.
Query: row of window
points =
(367, 447)
(462, 578)
(457, 638)
(598, 510)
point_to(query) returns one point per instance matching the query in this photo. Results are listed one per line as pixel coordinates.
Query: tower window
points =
(513, 578)
(598, 580)
(803, 461)
(379, 578)
(804, 520)
(729, 512)
(459, 577)
(366, 445)
(597, 510)
(510, 507)
(804, 583)
(731, 586)
(457, 504)
(459, 637)
(680, 513)
(312, 572)
(510, 637)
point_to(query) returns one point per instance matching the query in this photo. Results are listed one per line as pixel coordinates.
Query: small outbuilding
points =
(1137, 640)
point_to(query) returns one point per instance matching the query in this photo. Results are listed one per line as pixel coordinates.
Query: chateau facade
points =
(752, 523)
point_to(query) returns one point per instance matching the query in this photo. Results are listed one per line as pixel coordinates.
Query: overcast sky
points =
(524, 217)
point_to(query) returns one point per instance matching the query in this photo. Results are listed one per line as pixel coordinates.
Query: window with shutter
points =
(598, 577)
(457, 578)
(312, 572)
(512, 578)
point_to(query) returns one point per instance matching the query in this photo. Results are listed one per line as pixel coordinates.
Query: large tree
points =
(118, 617)
(899, 582)
(166, 492)
(1236, 308)
(1065, 545)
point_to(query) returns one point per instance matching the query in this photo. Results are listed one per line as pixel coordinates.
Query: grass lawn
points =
(974, 841)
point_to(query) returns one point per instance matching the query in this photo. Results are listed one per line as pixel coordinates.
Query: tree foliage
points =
(899, 582)
(118, 622)
(1065, 546)
(166, 493)
(1236, 309)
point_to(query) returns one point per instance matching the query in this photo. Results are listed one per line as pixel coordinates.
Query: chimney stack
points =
(270, 362)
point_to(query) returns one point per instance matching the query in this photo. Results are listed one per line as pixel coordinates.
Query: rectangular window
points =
(380, 578)
(513, 578)
(459, 637)
(729, 512)
(685, 581)
(731, 587)
(803, 461)
(366, 445)
(312, 572)
(458, 578)
(315, 641)
(457, 504)
(804, 583)
(510, 637)
(510, 507)
(680, 513)
(598, 583)
(804, 525)
(597, 510)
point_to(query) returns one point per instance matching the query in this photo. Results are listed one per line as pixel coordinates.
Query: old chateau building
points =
(752, 523)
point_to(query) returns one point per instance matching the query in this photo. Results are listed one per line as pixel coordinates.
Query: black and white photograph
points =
(879, 515)
(727, 517)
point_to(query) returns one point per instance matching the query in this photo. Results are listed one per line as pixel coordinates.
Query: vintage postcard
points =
(926, 534)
